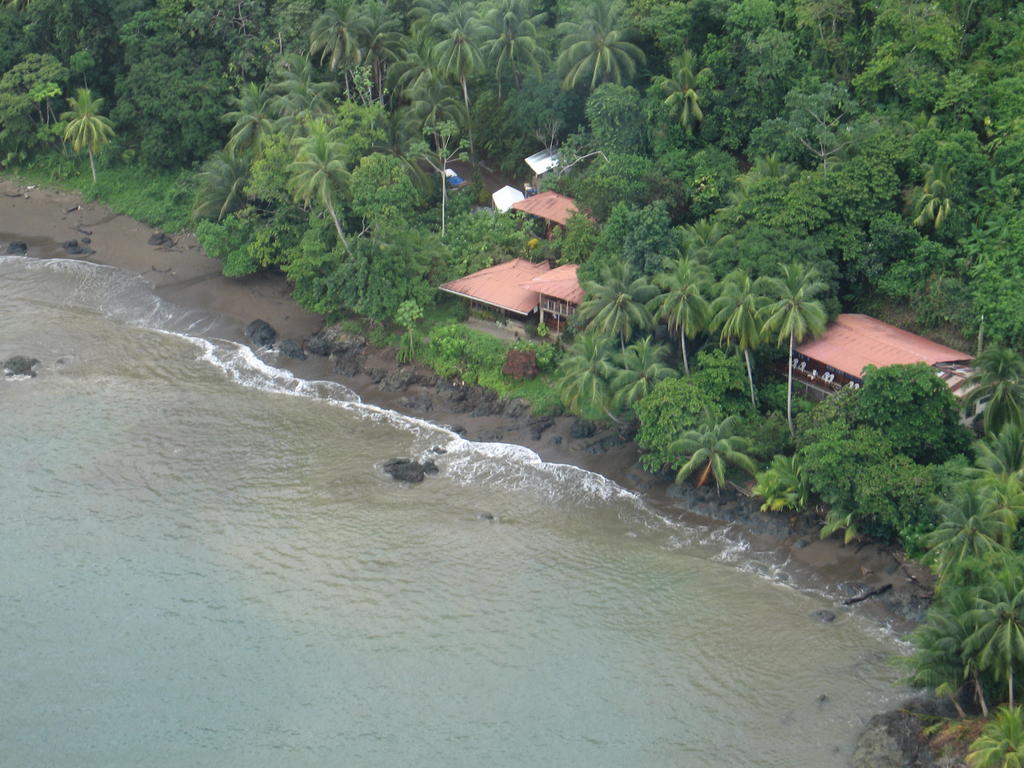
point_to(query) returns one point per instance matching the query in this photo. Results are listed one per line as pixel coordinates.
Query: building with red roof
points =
(501, 287)
(560, 293)
(837, 358)
(549, 205)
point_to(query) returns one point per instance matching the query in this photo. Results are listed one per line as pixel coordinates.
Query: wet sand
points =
(180, 273)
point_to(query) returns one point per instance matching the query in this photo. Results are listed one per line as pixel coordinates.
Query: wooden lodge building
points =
(518, 288)
(837, 358)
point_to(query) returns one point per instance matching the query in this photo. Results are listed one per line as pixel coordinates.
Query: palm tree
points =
(1001, 743)
(252, 118)
(679, 89)
(585, 373)
(640, 367)
(938, 661)
(458, 53)
(997, 381)
(86, 126)
(793, 313)
(783, 485)
(933, 203)
(595, 50)
(335, 35)
(401, 131)
(970, 527)
(512, 38)
(682, 305)
(617, 306)
(704, 240)
(999, 637)
(1001, 453)
(318, 172)
(221, 185)
(379, 41)
(296, 93)
(713, 447)
(736, 314)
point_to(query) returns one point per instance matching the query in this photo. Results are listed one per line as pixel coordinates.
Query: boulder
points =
(20, 366)
(73, 248)
(421, 402)
(291, 348)
(397, 380)
(825, 617)
(582, 429)
(260, 333)
(429, 467)
(17, 248)
(160, 239)
(406, 470)
(334, 341)
(895, 739)
(539, 426)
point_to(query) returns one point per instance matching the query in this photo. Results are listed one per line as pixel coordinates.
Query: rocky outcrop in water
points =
(409, 470)
(16, 248)
(260, 333)
(20, 366)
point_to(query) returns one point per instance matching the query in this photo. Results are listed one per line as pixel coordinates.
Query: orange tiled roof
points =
(853, 342)
(501, 286)
(560, 283)
(548, 205)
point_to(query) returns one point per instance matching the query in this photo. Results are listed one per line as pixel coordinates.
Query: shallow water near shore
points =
(202, 564)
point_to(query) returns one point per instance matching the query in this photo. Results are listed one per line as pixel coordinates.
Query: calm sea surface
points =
(201, 564)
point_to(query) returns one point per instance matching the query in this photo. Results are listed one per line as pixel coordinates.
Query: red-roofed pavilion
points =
(838, 357)
(560, 294)
(502, 286)
(549, 205)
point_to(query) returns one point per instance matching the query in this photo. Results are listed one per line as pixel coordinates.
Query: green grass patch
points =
(160, 199)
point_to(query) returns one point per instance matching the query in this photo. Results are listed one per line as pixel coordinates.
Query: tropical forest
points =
(744, 172)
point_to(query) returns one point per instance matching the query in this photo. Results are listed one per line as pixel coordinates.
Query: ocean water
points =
(202, 564)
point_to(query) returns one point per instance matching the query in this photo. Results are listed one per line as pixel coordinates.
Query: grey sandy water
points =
(202, 564)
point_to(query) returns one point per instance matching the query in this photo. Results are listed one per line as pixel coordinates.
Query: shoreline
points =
(180, 273)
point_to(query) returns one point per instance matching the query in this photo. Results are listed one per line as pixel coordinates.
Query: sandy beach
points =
(180, 273)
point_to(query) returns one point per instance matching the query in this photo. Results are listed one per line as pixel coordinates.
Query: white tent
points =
(505, 197)
(543, 161)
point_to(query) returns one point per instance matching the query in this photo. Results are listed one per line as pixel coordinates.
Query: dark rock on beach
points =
(397, 381)
(160, 239)
(539, 426)
(421, 402)
(895, 739)
(407, 470)
(582, 429)
(291, 348)
(260, 333)
(72, 248)
(20, 366)
(334, 341)
(825, 617)
(16, 248)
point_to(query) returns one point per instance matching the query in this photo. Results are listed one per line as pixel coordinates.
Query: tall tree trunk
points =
(789, 388)
(682, 348)
(979, 693)
(1009, 685)
(444, 195)
(337, 225)
(92, 166)
(750, 376)
(469, 121)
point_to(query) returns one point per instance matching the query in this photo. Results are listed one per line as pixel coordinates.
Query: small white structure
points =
(506, 197)
(543, 161)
